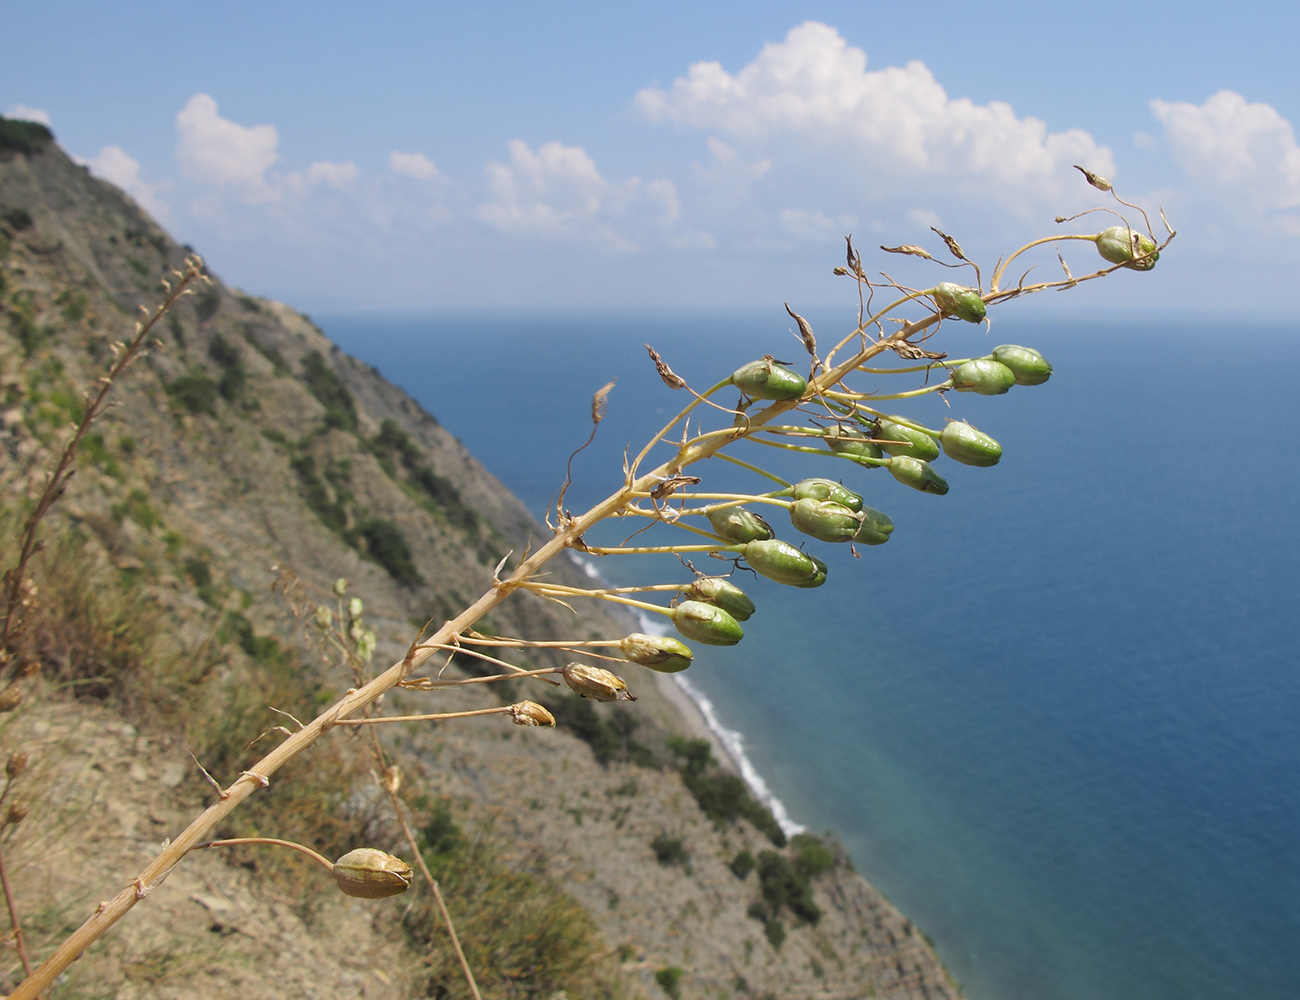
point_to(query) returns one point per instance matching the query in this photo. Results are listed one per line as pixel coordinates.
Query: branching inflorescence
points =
(835, 413)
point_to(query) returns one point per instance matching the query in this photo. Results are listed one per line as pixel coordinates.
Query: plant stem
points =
(752, 468)
(431, 717)
(19, 943)
(320, 859)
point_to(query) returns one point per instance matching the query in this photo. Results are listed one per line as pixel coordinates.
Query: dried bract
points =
(529, 713)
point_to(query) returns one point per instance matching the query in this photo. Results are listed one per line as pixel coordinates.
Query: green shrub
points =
(206, 302)
(18, 219)
(774, 930)
(18, 136)
(385, 544)
(324, 383)
(670, 850)
(742, 864)
(722, 796)
(317, 495)
(608, 732)
(196, 393)
(811, 856)
(669, 980)
(783, 886)
(524, 937)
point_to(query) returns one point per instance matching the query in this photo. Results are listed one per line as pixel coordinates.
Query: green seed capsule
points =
(736, 524)
(1028, 366)
(766, 379)
(918, 475)
(985, 376)
(707, 623)
(658, 652)
(876, 527)
(1120, 244)
(960, 301)
(851, 441)
(723, 593)
(818, 577)
(781, 561)
(963, 443)
(919, 444)
(825, 520)
(826, 489)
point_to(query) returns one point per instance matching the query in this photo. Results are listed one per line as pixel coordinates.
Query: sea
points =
(1056, 719)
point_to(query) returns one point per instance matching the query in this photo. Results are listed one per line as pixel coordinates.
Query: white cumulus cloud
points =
(556, 191)
(215, 150)
(415, 165)
(1246, 153)
(23, 112)
(116, 166)
(816, 87)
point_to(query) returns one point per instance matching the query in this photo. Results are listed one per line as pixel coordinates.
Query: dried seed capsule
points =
(596, 683)
(707, 623)
(826, 489)
(371, 874)
(985, 376)
(963, 443)
(825, 520)
(16, 765)
(529, 713)
(723, 593)
(658, 652)
(1029, 367)
(10, 698)
(782, 562)
(1120, 244)
(960, 301)
(767, 379)
(17, 813)
(919, 444)
(876, 527)
(818, 577)
(918, 475)
(852, 442)
(736, 524)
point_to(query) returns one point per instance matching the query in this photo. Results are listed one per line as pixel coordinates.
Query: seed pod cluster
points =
(1008, 365)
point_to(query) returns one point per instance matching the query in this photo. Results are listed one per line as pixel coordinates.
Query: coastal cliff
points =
(248, 466)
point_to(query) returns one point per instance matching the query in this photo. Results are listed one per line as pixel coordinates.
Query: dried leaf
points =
(910, 352)
(670, 377)
(671, 485)
(908, 248)
(599, 403)
(1065, 267)
(953, 246)
(805, 331)
(1096, 180)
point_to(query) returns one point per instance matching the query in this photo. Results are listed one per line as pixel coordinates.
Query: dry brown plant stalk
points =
(822, 390)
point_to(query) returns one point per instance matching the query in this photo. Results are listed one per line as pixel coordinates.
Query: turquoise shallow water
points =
(1054, 719)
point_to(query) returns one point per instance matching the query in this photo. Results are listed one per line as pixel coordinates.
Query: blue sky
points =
(577, 155)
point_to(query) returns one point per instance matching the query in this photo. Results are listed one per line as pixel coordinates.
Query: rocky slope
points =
(246, 444)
